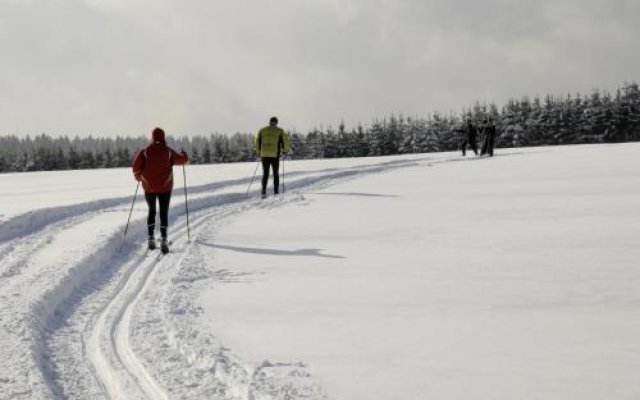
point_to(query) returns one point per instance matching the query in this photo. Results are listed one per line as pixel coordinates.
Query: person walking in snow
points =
(270, 143)
(153, 166)
(489, 130)
(469, 138)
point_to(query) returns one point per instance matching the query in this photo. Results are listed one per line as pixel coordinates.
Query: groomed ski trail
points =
(93, 299)
(138, 382)
(117, 328)
(44, 277)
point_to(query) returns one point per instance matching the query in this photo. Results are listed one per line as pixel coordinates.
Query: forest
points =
(600, 117)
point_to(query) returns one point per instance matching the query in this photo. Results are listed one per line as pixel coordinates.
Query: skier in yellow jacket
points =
(271, 142)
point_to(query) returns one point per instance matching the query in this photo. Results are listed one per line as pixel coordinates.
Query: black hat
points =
(273, 121)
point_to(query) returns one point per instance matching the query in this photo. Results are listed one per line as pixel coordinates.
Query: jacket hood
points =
(157, 135)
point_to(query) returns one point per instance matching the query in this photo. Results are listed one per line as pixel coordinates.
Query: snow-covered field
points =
(411, 277)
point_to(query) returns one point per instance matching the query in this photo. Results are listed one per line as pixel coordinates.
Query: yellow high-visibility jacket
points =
(271, 141)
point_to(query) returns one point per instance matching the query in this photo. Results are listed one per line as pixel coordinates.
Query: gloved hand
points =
(185, 156)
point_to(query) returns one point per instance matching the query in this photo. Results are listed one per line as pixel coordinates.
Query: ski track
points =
(101, 329)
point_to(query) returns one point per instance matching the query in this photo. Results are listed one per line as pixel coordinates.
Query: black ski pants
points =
(471, 142)
(488, 144)
(163, 199)
(270, 163)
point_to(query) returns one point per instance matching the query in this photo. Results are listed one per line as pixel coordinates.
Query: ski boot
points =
(164, 246)
(263, 196)
(151, 244)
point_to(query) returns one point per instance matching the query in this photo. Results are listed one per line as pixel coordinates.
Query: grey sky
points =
(198, 66)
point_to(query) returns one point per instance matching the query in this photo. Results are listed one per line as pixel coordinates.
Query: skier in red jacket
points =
(153, 166)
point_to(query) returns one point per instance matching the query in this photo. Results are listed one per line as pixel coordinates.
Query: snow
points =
(412, 277)
(514, 277)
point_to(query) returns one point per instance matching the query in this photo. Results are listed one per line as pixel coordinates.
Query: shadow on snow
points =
(272, 252)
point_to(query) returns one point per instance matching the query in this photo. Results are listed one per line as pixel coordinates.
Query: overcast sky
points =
(111, 67)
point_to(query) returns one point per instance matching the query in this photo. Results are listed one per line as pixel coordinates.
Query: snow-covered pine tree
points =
(418, 133)
(195, 156)
(406, 137)
(315, 143)
(376, 139)
(362, 142)
(437, 130)
(330, 144)
(206, 154)
(631, 101)
(392, 136)
(298, 146)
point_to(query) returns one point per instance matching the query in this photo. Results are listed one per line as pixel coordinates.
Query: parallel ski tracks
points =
(106, 331)
(116, 316)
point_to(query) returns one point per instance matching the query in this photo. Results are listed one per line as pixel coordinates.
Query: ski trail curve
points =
(116, 385)
(121, 331)
(123, 375)
(119, 369)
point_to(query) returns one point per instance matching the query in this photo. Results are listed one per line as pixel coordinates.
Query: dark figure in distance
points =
(489, 137)
(153, 166)
(469, 138)
(270, 142)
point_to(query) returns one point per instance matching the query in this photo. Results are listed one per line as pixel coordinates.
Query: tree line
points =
(600, 117)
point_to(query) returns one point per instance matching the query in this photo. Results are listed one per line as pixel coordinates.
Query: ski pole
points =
(254, 177)
(283, 157)
(186, 201)
(130, 211)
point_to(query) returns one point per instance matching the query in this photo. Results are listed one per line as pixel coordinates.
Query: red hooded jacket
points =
(153, 165)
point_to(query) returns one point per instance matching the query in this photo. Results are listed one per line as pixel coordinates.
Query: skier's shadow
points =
(272, 252)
